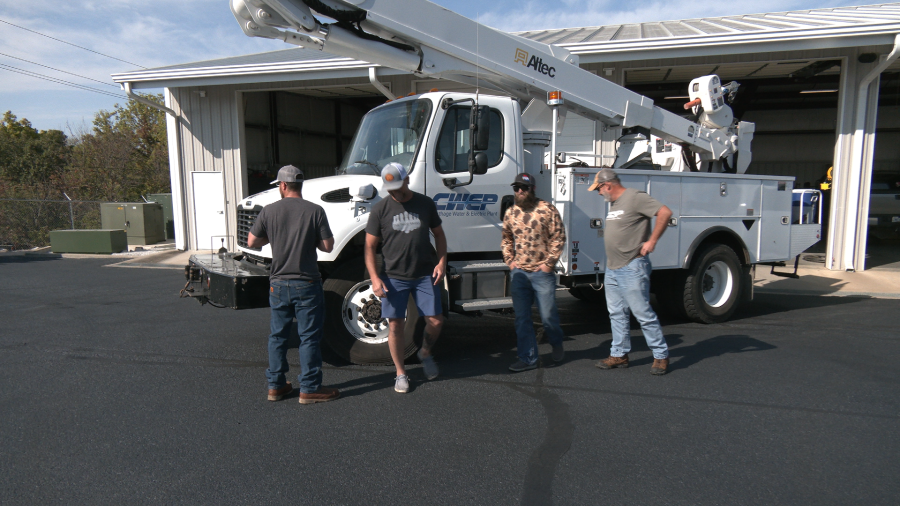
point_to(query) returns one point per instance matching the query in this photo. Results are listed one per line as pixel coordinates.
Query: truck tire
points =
(713, 285)
(354, 328)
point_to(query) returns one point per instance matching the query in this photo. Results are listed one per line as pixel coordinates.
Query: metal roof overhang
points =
(736, 43)
(329, 68)
(797, 31)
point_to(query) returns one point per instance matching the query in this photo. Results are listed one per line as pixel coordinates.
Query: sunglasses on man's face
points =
(520, 188)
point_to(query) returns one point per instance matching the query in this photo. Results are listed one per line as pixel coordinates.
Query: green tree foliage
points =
(123, 157)
(32, 162)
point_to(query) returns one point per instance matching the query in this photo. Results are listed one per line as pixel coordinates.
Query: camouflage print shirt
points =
(534, 238)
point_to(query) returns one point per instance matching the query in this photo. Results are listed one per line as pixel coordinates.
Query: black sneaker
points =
(520, 366)
(558, 353)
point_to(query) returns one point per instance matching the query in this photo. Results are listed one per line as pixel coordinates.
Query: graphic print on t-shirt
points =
(406, 222)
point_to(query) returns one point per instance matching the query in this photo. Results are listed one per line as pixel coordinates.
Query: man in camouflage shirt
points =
(533, 239)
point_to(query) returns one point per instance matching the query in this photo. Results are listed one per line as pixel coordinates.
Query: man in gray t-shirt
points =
(403, 223)
(629, 238)
(295, 228)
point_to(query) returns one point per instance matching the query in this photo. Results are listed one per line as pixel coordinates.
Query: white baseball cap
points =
(392, 176)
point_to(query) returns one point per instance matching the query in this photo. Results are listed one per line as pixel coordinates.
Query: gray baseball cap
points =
(289, 174)
(602, 176)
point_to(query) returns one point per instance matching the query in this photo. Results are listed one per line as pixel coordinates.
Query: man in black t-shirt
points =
(401, 222)
(295, 228)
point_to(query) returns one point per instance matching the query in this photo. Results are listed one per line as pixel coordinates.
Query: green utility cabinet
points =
(88, 241)
(165, 200)
(143, 222)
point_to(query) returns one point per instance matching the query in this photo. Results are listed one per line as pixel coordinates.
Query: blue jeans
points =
(528, 287)
(305, 301)
(628, 292)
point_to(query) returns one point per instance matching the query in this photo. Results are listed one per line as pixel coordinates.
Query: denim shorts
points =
(426, 294)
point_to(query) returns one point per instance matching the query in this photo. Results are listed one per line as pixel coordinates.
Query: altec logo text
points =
(536, 63)
(464, 201)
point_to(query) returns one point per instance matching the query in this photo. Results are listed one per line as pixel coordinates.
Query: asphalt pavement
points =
(114, 390)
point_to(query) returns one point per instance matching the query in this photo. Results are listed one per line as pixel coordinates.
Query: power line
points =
(58, 70)
(75, 45)
(59, 81)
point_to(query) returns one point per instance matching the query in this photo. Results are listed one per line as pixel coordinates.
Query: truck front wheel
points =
(354, 328)
(714, 284)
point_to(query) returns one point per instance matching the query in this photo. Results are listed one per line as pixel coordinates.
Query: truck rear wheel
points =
(354, 328)
(714, 284)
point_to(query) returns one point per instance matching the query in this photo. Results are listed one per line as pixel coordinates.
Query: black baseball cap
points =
(523, 179)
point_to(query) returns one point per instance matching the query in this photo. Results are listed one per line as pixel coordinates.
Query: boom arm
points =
(428, 40)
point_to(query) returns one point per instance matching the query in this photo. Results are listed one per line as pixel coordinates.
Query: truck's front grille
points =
(245, 219)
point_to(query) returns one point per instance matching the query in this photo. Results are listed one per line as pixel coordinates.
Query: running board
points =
(482, 304)
(478, 285)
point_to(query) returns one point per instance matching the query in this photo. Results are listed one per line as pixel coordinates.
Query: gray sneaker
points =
(428, 365)
(401, 384)
(558, 353)
(520, 366)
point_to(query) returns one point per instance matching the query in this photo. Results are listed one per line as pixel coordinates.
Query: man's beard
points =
(526, 201)
(281, 192)
(606, 197)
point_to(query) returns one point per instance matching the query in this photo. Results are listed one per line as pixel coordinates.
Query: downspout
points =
(856, 166)
(134, 96)
(378, 86)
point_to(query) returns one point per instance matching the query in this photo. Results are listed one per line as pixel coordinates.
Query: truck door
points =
(471, 214)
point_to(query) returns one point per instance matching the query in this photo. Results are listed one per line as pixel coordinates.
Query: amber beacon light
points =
(554, 98)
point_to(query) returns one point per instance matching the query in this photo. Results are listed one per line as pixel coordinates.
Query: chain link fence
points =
(27, 223)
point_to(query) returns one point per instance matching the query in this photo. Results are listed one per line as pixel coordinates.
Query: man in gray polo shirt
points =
(295, 228)
(628, 239)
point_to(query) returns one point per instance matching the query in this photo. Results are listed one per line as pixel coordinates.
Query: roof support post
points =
(853, 165)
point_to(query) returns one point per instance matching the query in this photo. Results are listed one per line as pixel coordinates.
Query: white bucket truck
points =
(464, 150)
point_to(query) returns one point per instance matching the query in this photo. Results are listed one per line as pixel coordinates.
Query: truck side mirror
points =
(480, 128)
(477, 162)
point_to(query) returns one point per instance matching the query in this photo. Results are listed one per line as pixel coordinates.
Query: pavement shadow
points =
(764, 304)
(682, 357)
(714, 347)
(23, 258)
(369, 383)
(808, 283)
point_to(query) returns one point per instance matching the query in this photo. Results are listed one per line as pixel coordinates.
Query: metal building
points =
(822, 86)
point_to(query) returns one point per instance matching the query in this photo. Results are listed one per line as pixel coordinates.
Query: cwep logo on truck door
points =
(534, 62)
(466, 204)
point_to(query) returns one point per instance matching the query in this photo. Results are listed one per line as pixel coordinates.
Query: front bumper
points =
(226, 280)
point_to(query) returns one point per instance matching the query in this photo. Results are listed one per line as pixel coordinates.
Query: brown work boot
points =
(276, 394)
(613, 362)
(659, 366)
(323, 394)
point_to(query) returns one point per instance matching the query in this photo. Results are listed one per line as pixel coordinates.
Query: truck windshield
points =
(387, 134)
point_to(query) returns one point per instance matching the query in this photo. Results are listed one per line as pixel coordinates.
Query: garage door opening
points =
(310, 129)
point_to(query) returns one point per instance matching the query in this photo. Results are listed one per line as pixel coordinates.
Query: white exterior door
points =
(209, 209)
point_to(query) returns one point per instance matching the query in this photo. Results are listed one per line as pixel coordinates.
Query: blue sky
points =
(156, 33)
